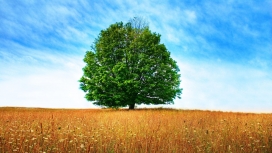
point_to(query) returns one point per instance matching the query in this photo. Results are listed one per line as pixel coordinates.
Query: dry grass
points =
(56, 130)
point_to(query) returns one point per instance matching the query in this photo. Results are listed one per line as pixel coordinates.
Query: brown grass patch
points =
(149, 130)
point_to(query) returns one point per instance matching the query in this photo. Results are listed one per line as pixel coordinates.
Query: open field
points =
(162, 130)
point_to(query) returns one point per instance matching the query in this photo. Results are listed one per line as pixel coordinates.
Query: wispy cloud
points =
(223, 49)
(32, 82)
(44, 88)
(224, 86)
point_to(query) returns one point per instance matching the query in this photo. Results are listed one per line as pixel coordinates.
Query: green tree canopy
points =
(128, 65)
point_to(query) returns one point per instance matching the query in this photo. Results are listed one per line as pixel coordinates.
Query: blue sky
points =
(223, 49)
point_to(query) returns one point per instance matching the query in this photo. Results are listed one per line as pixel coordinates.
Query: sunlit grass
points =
(56, 130)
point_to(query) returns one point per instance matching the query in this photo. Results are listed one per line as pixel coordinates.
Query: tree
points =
(128, 65)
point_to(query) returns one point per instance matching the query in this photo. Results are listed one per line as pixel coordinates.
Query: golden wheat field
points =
(144, 130)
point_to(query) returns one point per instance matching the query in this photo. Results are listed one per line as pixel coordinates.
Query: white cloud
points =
(224, 86)
(38, 37)
(190, 16)
(56, 86)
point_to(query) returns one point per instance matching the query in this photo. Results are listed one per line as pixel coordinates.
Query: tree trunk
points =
(131, 106)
